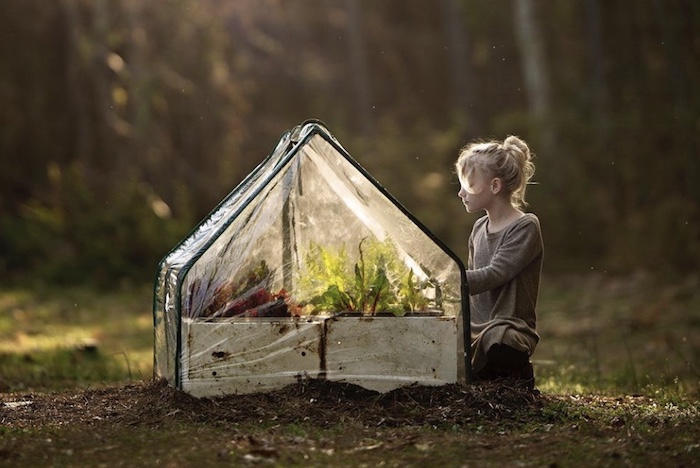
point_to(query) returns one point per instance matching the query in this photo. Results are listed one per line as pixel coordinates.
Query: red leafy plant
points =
(246, 297)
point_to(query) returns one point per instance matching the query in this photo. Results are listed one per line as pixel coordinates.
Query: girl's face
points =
(475, 191)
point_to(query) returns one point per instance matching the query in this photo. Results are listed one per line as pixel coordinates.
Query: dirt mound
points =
(321, 402)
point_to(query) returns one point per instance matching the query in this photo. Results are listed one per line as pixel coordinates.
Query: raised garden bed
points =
(262, 354)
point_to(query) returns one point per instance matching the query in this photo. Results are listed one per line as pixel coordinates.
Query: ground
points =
(320, 423)
(617, 370)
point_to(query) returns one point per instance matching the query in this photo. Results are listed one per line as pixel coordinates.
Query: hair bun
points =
(514, 141)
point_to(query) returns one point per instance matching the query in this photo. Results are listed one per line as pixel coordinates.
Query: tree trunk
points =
(105, 118)
(76, 89)
(598, 91)
(685, 137)
(532, 53)
(358, 72)
(462, 82)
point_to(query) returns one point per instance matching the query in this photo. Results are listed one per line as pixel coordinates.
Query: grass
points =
(610, 336)
(600, 335)
(55, 339)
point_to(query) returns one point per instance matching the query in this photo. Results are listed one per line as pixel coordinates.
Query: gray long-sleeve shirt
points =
(504, 280)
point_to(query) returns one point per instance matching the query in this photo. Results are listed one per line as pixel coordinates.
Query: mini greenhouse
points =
(309, 268)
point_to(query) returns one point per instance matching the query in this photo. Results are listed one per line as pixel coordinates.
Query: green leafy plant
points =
(411, 293)
(378, 282)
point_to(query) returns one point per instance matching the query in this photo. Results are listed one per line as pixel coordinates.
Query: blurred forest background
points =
(124, 122)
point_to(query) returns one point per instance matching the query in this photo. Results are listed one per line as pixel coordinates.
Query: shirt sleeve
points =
(520, 246)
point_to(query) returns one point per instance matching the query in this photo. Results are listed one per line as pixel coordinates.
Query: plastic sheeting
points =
(263, 291)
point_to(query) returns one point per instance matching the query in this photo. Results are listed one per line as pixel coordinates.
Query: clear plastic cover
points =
(304, 260)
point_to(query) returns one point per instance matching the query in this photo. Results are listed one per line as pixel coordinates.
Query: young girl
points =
(505, 259)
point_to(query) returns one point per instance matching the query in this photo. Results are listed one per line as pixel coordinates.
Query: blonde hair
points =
(510, 161)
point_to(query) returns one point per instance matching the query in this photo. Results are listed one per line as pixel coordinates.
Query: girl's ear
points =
(496, 185)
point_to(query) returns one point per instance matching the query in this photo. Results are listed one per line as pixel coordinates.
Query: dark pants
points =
(505, 362)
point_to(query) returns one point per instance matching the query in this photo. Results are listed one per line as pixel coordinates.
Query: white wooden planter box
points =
(263, 354)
